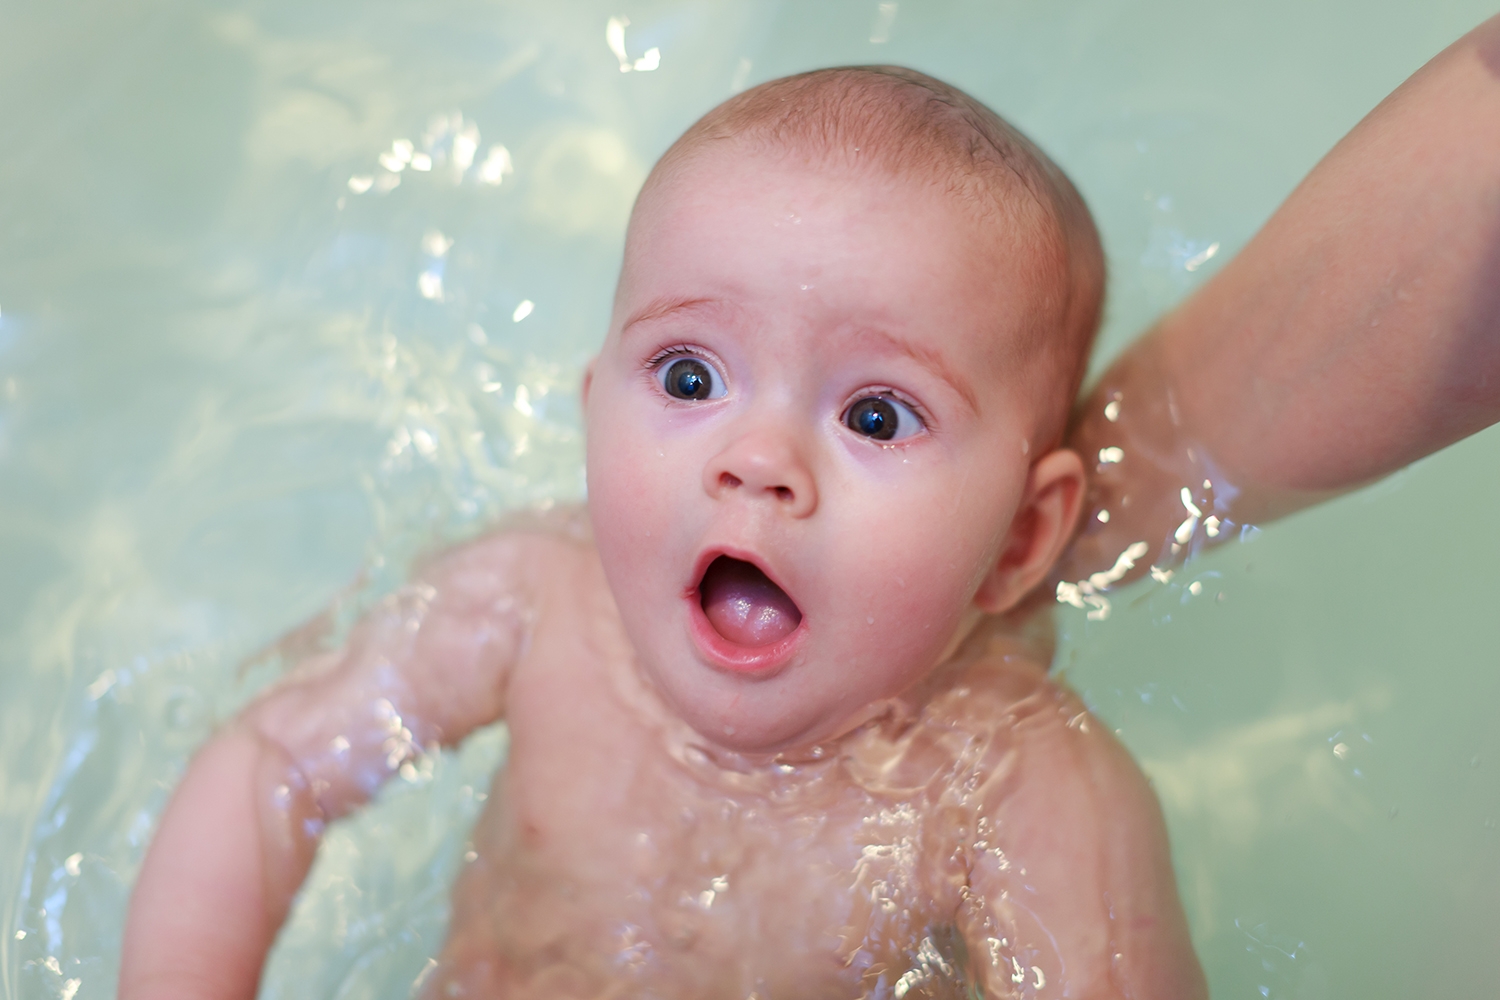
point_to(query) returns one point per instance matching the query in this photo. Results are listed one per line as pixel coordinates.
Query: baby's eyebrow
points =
(667, 307)
(930, 359)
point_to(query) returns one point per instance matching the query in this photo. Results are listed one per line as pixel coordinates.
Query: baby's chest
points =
(604, 849)
(643, 873)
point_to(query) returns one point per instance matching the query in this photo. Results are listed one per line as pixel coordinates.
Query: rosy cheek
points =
(918, 580)
(624, 500)
(916, 617)
(631, 495)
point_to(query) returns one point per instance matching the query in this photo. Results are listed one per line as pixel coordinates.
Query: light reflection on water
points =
(291, 294)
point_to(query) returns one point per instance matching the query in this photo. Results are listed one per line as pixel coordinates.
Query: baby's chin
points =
(761, 719)
(753, 731)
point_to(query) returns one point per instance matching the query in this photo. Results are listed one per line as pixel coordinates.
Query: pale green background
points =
(223, 397)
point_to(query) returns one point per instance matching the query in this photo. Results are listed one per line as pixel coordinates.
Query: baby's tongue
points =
(744, 606)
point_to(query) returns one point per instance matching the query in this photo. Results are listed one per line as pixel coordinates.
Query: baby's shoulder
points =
(526, 551)
(557, 528)
(999, 685)
(980, 724)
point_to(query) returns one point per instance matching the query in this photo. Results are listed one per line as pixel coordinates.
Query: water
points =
(234, 387)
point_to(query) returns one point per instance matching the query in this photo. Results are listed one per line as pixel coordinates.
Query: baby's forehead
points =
(757, 207)
(993, 216)
(837, 289)
(991, 197)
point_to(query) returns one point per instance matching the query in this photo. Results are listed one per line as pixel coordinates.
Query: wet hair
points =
(916, 126)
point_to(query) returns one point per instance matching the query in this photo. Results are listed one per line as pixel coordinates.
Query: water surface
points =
(290, 293)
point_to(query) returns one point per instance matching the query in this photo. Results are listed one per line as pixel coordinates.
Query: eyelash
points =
(898, 396)
(656, 360)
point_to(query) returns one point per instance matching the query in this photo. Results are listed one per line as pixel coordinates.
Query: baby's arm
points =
(1357, 332)
(428, 666)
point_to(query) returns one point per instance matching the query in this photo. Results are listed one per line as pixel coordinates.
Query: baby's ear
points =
(1041, 529)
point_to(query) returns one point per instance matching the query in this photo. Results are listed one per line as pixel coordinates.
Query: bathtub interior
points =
(292, 293)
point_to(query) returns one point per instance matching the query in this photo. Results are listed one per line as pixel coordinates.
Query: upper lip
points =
(709, 554)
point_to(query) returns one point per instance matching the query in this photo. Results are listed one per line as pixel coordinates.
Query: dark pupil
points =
(689, 379)
(873, 417)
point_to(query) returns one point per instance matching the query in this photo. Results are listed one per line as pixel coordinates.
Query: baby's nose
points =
(763, 466)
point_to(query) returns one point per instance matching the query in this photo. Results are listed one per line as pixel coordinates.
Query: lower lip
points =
(754, 661)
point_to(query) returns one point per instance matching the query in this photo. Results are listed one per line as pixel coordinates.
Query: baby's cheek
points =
(633, 513)
(620, 462)
(625, 510)
(916, 592)
(898, 632)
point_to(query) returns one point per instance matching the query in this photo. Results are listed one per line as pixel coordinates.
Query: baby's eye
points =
(882, 418)
(690, 378)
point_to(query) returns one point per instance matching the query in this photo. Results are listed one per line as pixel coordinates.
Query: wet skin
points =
(876, 784)
(766, 736)
(622, 854)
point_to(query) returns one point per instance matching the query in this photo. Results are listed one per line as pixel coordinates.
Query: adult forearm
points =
(1358, 331)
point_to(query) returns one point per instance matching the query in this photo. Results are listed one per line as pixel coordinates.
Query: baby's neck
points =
(879, 740)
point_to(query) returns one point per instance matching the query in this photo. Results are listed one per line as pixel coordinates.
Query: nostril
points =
(783, 493)
(728, 480)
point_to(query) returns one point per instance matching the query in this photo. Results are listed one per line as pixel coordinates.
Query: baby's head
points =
(853, 313)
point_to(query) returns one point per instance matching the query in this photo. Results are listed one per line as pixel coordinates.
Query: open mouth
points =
(744, 606)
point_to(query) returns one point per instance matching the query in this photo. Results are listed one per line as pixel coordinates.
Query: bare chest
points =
(612, 857)
(638, 872)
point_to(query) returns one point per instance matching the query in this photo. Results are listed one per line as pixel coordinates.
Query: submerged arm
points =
(428, 666)
(1356, 333)
(1071, 890)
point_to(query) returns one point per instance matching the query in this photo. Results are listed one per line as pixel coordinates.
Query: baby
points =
(769, 734)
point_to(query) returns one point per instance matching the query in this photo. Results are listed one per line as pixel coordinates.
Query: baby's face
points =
(806, 439)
